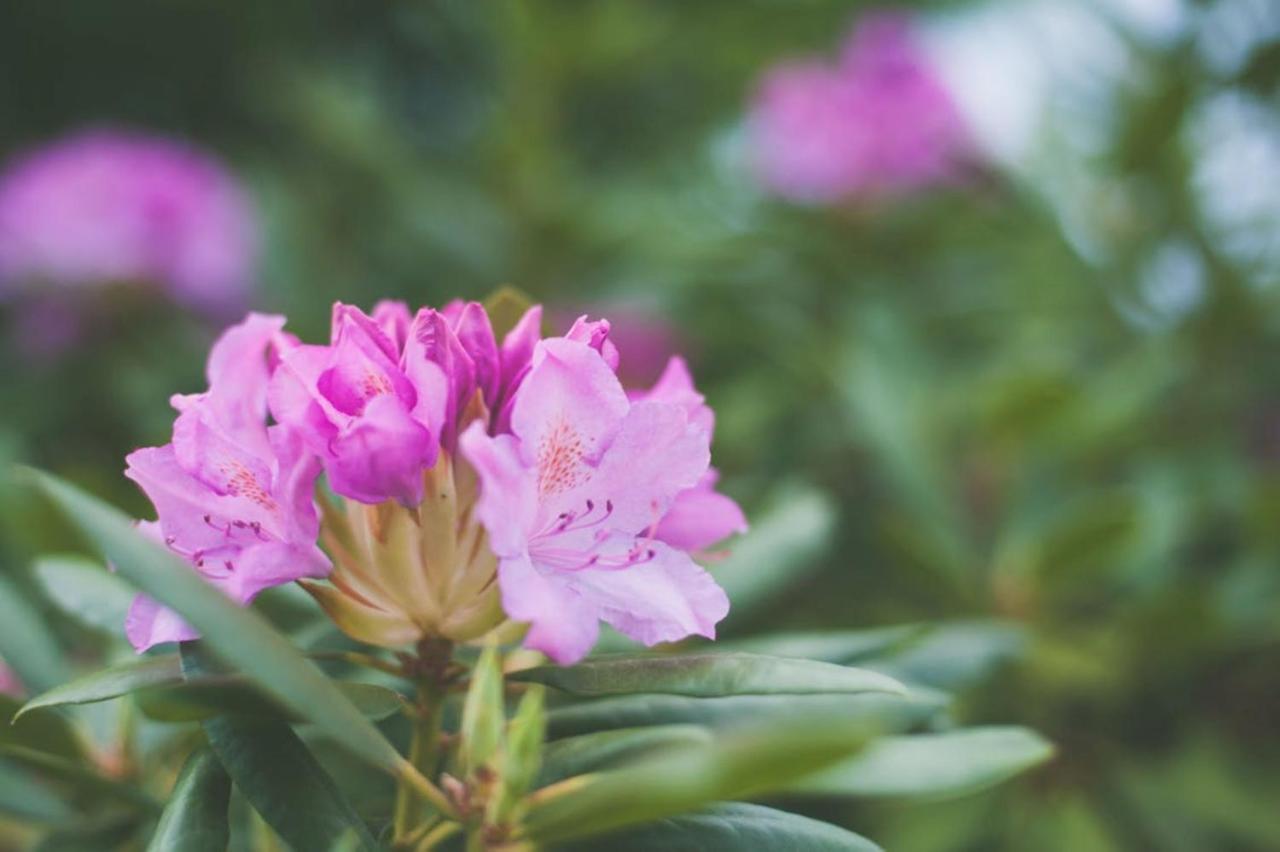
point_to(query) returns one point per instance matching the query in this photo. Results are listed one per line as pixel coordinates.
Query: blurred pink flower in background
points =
(876, 122)
(9, 683)
(108, 206)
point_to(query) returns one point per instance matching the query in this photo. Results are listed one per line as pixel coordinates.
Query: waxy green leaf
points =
(732, 827)
(276, 772)
(163, 693)
(707, 676)
(836, 646)
(782, 548)
(195, 818)
(26, 643)
(748, 761)
(932, 765)
(49, 733)
(891, 713)
(86, 591)
(608, 749)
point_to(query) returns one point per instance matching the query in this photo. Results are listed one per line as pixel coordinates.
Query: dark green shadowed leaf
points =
(195, 818)
(745, 762)
(732, 827)
(888, 712)
(932, 765)
(86, 591)
(50, 733)
(231, 694)
(238, 636)
(707, 676)
(607, 749)
(26, 643)
(274, 770)
(24, 798)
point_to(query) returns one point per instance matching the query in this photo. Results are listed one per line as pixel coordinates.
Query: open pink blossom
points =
(879, 121)
(700, 516)
(233, 495)
(570, 499)
(108, 206)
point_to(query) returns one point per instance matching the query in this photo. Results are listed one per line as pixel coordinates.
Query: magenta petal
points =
(392, 318)
(595, 333)
(561, 624)
(382, 455)
(476, 336)
(148, 623)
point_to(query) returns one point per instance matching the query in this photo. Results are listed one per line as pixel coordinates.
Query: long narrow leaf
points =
(707, 676)
(195, 819)
(749, 761)
(732, 827)
(932, 765)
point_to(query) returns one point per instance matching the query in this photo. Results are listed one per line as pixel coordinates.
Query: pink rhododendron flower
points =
(233, 495)
(570, 499)
(483, 481)
(110, 206)
(878, 121)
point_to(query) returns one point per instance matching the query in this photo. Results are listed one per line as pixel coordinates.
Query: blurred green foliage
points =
(965, 414)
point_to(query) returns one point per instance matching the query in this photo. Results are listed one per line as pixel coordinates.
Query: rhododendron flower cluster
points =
(877, 121)
(107, 206)
(477, 479)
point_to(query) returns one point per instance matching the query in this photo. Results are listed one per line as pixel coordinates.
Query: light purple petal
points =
(508, 500)
(148, 624)
(561, 624)
(701, 517)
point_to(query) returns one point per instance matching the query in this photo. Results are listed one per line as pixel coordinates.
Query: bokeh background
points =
(991, 322)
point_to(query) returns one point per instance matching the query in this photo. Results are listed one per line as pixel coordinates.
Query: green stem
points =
(424, 747)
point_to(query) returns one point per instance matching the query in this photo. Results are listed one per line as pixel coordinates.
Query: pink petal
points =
(476, 336)
(508, 501)
(567, 410)
(393, 317)
(382, 455)
(148, 623)
(561, 624)
(675, 386)
(664, 599)
(701, 517)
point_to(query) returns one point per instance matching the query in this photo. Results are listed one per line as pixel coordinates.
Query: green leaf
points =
(214, 695)
(163, 693)
(745, 762)
(79, 776)
(783, 547)
(238, 636)
(85, 591)
(275, 771)
(955, 655)
(889, 712)
(837, 646)
(608, 749)
(110, 683)
(49, 733)
(195, 819)
(733, 827)
(483, 720)
(23, 797)
(26, 643)
(707, 676)
(932, 765)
